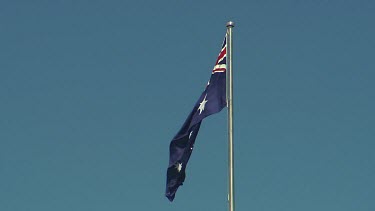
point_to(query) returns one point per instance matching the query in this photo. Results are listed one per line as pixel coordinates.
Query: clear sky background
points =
(92, 92)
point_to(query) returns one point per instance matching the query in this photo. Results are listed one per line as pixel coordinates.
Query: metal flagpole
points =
(229, 74)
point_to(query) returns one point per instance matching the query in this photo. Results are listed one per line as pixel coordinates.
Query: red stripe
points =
(221, 55)
(219, 69)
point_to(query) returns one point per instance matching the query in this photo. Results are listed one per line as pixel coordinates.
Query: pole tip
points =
(230, 24)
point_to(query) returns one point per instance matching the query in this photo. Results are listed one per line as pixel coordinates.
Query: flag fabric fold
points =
(211, 101)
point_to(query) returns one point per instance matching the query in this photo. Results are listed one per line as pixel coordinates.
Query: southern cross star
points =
(178, 166)
(202, 105)
(190, 134)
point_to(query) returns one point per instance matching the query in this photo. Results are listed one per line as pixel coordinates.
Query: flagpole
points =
(229, 74)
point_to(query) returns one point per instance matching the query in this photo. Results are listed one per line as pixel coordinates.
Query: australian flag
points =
(212, 100)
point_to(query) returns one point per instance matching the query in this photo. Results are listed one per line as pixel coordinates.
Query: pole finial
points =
(230, 24)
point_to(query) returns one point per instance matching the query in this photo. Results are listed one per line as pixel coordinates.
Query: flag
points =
(211, 101)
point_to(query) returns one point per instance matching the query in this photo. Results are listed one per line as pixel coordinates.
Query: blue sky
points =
(92, 92)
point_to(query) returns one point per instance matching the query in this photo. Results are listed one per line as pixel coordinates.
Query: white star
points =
(202, 105)
(190, 134)
(178, 166)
